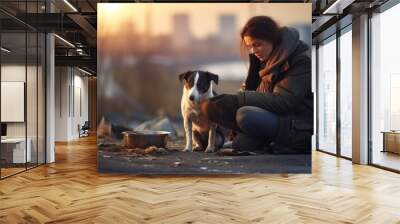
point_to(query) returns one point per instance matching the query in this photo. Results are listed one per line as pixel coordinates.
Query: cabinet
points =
(13, 150)
(391, 141)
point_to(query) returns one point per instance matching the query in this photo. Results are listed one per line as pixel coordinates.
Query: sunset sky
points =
(203, 16)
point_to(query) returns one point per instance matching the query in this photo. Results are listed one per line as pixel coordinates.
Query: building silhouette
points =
(227, 33)
(181, 30)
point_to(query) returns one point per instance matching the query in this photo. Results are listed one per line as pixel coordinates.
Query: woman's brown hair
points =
(260, 27)
(264, 28)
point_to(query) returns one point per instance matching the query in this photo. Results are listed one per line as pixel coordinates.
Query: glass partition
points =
(327, 95)
(22, 91)
(346, 93)
(41, 87)
(14, 153)
(32, 95)
(385, 89)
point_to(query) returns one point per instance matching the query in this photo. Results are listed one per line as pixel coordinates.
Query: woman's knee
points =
(246, 118)
(256, 121)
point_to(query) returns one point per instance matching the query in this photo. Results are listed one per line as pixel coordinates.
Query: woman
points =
(275, 106)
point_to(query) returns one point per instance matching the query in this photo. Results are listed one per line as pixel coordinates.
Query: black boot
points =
(243, 142)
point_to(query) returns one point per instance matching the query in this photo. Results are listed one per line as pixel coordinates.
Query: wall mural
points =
(195, 88)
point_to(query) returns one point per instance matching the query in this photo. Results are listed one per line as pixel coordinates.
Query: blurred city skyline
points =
(127, 30)
(201, 20)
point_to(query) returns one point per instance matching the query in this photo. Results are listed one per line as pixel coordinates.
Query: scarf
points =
(278, 63)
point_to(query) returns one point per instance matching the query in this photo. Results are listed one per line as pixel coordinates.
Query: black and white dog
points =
(198, 128)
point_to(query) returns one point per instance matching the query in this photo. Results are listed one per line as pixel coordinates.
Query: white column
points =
(360, 90)
(50, 93)
(50, 110)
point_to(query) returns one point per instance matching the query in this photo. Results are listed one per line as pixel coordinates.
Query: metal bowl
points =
(144, 139)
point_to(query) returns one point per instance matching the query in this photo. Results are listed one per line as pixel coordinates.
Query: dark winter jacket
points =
(283, 85)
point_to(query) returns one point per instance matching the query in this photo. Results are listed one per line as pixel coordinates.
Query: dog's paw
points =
(210, 149)
(187, 149)
(197, 148)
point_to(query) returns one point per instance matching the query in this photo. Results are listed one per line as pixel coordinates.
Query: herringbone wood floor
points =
(71, 191)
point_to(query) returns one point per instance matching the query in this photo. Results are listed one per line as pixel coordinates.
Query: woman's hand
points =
(224, 100)
(221, 109)
(218, 97)
(242, 87)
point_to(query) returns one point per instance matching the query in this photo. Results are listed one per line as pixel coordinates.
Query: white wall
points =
(33, 127)
(71, 94)
(81, 104)
(61, 103)
(16, 73)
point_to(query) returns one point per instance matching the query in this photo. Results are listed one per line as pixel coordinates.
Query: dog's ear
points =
(184, 75)
(213, 77)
